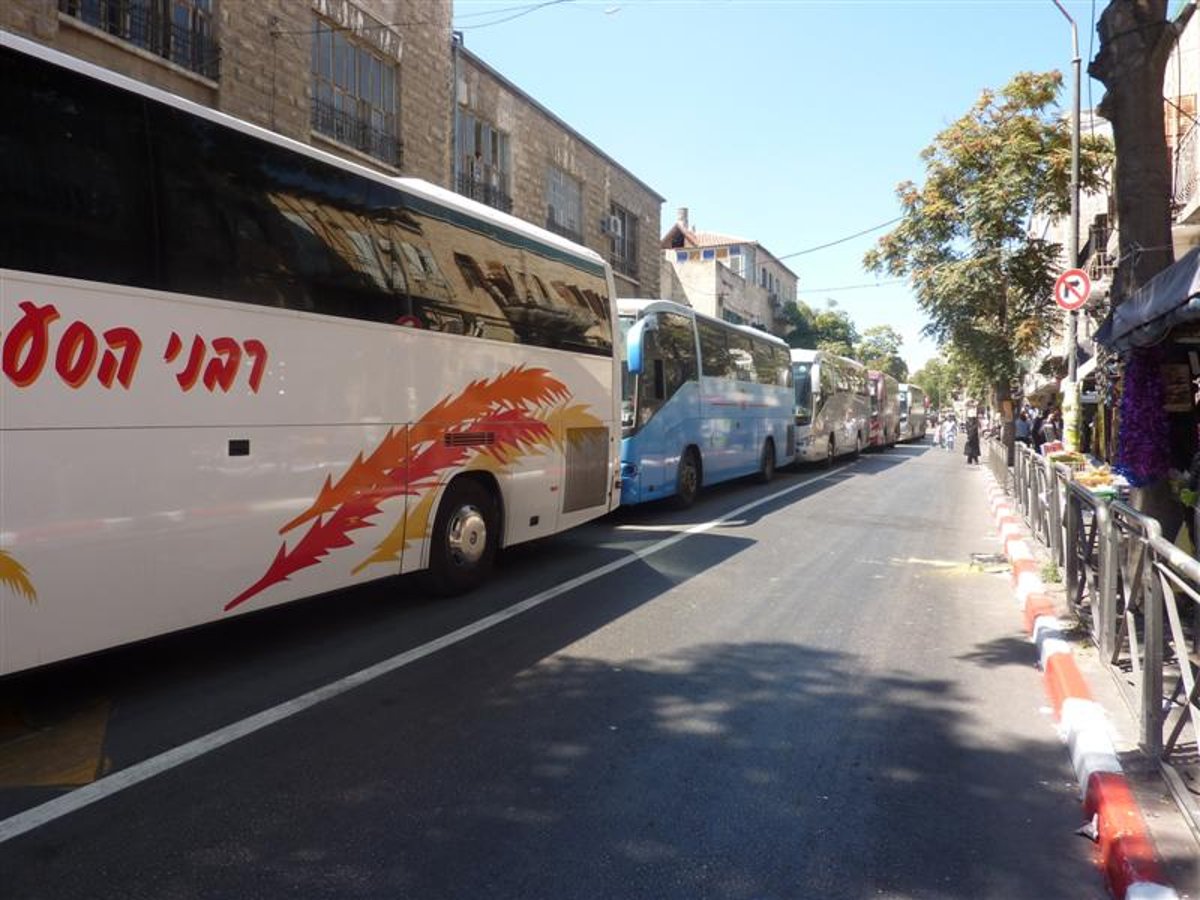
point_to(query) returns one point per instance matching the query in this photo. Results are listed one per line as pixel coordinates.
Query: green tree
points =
(827, 329)
(964, 240)
(879, 349)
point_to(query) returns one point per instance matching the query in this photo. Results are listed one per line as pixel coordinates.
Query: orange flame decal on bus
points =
(15, 578)
(410, 461)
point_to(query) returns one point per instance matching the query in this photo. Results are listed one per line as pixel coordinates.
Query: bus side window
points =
(714, 354)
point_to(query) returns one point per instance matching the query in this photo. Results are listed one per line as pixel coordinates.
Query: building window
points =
(623, 241)
(564, 204)
(178, 30)
(484, 163)
(354, 93)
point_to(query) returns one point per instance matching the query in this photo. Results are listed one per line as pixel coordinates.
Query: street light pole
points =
(1073, 237)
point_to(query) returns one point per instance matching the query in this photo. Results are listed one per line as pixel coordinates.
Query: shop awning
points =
(1170, 298)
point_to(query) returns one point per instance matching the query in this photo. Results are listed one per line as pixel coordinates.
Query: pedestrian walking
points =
(951, 434)
(971, 447)
(1024, 429)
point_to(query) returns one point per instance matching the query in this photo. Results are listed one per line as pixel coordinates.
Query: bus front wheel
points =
(687, 484)
(464, 538)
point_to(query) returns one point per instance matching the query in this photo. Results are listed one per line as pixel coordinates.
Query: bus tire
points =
(464, 539)
(766, 463)
(687, 481)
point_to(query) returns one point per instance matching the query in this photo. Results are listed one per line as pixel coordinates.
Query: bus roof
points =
(639, 306)
(802, 354)
(414, 186)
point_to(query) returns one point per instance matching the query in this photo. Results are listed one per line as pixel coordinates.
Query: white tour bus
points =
(832, 405)
(238, 371)
(912, 413)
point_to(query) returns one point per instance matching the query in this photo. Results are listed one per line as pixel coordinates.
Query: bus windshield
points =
(802, 379)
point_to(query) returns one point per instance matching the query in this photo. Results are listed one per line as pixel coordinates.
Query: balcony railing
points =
(147, 24)
(484, 193)
(357, 132)
(1184, 187)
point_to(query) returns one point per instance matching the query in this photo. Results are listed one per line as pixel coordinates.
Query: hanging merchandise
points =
(1143, 438)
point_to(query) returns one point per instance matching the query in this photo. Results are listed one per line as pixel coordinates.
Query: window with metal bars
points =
(178, 30)
(623, 242)
(354, 94)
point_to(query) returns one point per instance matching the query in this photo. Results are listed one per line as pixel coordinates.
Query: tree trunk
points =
(1135, 43)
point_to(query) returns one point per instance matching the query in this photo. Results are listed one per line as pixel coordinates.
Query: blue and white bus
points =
(703, 401)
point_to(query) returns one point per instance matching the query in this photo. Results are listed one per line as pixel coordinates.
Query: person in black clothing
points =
(971, 448)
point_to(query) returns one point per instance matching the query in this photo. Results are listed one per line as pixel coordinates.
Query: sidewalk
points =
(1147, 846)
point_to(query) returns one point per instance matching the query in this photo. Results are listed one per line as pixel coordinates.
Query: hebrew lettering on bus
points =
(220, 369)
(77, 352)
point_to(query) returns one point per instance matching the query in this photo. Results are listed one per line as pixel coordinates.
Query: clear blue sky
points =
(789, 122)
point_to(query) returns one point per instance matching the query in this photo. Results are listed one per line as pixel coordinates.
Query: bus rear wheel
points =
(766, 464)
(687, 483)
(464, 538)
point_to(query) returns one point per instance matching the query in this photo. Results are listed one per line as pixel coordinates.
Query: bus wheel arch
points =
(766, 462)
(689, 478)
(466, 534)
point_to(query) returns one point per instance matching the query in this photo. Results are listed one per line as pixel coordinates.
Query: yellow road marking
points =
(68, 753)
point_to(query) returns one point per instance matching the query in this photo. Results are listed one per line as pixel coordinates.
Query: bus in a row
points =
(912, 412)
(703, 401)
(832, 403)
(238, 370)
(883, 423)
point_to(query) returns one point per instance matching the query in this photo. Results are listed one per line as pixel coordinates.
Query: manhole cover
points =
(988, 559)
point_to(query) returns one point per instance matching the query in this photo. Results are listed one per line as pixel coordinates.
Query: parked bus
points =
(831, 405)
(703, 401)
(238, 370)
(884, 415)
(912, 413)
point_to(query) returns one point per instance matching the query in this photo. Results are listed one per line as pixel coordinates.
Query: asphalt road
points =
(817, 696)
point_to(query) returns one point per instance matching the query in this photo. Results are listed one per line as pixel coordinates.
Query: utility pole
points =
(1072, 427)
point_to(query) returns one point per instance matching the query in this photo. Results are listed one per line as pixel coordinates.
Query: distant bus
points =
(831, 404)
(912, 413)
(238, 371)
(884, 414)
(703, 401)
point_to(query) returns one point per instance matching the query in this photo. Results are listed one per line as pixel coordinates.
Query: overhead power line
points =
(850, 287)
(521, 11)
(843, 240)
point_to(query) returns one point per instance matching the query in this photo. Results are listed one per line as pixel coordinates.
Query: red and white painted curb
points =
(1127, 854)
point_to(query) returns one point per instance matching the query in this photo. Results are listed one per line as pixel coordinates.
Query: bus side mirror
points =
(633, 346)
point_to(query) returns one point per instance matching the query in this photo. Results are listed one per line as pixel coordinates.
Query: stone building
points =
(373, 81)
(731, 278)
(513, 153)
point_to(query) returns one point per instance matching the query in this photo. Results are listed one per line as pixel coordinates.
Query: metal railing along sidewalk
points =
(1138, 594)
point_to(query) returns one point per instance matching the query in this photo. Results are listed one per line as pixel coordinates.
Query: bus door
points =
(666, 398)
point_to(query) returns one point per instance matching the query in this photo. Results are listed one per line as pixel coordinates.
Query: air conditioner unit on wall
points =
(611, 225)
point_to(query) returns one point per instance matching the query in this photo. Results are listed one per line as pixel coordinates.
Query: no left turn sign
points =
(1072, 288)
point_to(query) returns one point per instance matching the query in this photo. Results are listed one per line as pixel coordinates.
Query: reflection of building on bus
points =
(831, 405)
(691, 419)
(884, 418)
(218, 410)
(912, 413)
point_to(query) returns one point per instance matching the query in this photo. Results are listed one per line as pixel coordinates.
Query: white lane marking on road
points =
(126, 778)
